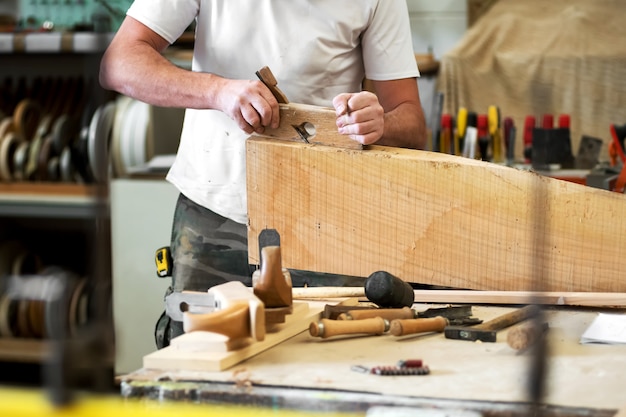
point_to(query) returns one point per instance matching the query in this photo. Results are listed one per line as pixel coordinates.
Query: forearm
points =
(144, 74)
(133, 65)
(404, 127)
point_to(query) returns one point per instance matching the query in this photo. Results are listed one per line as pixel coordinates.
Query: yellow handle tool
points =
(493, 115)
(461, 126)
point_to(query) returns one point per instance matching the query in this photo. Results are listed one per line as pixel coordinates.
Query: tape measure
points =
(163, 260)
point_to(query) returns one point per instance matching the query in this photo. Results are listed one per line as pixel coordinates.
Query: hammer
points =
(487, 332)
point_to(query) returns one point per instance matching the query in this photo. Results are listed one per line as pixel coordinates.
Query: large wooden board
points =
(433, 218)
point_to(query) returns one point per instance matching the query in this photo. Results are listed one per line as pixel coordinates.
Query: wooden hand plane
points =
(303, 122)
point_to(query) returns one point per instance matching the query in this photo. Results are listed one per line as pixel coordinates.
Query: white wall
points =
(437, 24)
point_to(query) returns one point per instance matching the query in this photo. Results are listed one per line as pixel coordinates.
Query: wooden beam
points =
(579, 299)
(434, 219)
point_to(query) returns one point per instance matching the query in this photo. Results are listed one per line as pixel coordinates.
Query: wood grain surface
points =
(434, 219)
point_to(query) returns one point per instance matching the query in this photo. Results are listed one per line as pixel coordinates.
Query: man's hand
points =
(249, 103)
(360, 116)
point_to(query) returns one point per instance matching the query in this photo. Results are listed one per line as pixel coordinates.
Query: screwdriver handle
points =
(325, 328)
(403, 327)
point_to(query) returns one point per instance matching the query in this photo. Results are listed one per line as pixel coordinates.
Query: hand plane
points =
(230, 309)
(303, 122)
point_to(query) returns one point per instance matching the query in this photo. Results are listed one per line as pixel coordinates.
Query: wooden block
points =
(191, 352)
(433, 218)
(319, 122)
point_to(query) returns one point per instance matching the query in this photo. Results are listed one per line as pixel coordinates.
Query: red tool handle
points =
(548, 121)
(529, 125)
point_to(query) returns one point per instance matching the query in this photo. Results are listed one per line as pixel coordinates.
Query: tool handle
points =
(272, 284)
(328, 328)
(385, 313)
(266, 75)
(509, 319)
(413, 326)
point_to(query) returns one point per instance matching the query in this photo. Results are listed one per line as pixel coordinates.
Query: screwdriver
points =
(548, 121)
(471, 135)
(445, 139)
(493, 114)
(529, 125)
(461, 125)
(509, 140)
(483, 136)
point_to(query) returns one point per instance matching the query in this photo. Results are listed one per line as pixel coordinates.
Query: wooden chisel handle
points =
(385, 313)
(413, 326)
(328, 328)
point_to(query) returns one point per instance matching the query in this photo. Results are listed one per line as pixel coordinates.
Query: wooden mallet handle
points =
(403, 327)
(526, 334)
(328, 328)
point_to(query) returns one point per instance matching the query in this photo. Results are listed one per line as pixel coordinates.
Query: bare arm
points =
(405, 125)
(392, 117)
(133, 65)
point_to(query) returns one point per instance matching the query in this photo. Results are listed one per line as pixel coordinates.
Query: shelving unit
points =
(64, 224)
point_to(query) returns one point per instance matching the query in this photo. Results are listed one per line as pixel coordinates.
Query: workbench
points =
(430, 219)
(315, 374)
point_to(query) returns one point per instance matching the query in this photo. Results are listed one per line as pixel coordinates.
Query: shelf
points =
(54, 42)
(24, 350)
(52, 200)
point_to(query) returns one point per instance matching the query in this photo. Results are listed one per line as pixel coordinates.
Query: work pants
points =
(208, 249)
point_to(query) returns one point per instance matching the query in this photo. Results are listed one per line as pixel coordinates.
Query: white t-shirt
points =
(315, 48)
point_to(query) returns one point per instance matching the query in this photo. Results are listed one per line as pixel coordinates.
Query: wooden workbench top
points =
(584, 376)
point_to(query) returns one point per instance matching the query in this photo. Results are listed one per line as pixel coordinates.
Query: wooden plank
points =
(320, 122)
(196, 357)
(434, 219)
(581, 299)
(447, 296)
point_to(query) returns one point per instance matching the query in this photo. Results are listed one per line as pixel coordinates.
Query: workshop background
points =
(88, 210)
